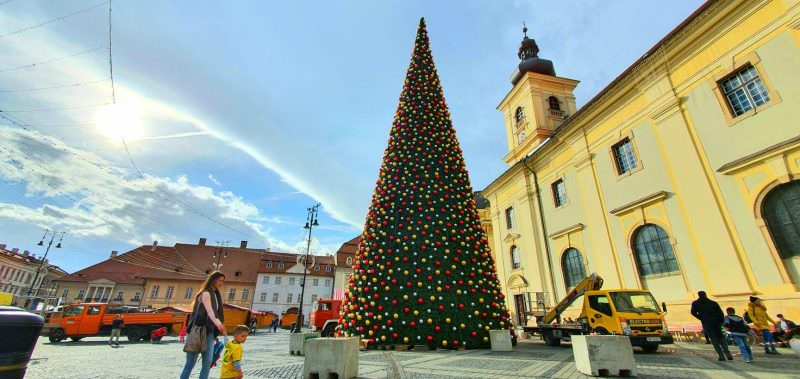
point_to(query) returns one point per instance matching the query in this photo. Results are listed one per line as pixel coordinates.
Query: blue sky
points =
(251, 111)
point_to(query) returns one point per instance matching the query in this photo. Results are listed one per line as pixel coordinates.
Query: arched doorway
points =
(781, 213)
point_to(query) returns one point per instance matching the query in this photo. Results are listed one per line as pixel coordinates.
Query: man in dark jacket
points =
(710, 315)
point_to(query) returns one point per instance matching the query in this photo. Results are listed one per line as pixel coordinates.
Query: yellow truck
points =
(634, 313)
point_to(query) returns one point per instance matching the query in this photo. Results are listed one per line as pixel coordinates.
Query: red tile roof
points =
(348, 249)
(290, 260)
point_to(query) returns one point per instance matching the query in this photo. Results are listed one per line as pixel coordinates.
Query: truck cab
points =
(325, 317)
(634, 313)
(82, 319)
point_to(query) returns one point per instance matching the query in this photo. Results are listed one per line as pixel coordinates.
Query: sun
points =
(119, 121)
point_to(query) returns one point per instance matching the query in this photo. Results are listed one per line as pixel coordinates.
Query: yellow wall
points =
(697, 175)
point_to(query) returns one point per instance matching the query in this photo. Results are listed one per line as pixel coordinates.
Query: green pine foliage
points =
(423, 273)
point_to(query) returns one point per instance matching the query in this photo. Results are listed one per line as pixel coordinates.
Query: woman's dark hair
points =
(208, 284)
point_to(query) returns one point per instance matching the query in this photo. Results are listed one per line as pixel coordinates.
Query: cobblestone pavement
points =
(266, 356)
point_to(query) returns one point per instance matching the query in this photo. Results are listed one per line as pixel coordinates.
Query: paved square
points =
(266, 356)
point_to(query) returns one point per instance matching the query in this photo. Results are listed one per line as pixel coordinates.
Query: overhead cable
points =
(52, 60)
(52, 20)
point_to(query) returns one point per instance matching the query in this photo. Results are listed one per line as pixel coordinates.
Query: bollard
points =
(603, 355)
(20, 331)
(500, 340)
(331, 358)
(298, 341)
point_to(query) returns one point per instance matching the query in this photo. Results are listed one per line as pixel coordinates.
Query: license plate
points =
(653, 339)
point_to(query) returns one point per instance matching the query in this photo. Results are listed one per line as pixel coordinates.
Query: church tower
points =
(538, 103)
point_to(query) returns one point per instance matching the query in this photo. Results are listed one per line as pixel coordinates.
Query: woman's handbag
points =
(197, 338)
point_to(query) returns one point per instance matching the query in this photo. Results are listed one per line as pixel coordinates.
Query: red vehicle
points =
(325, 317)
(94, 319)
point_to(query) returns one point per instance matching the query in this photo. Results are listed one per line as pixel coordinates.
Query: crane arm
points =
(592, 282)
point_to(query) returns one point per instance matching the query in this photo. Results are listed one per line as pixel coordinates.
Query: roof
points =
(347, 249)
(269, 263)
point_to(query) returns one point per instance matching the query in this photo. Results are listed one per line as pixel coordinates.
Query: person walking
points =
(274, 325)
(740, 333)
(711, 317)
(208, 311)
(758, 313)
(116, 330)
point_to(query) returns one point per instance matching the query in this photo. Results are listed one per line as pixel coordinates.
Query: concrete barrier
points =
(795, 345)
(500, 340)
(298, 341)
(603, 355)
(331, 358)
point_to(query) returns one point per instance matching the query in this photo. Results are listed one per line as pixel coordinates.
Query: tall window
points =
(170, 290)
(514, 257)
(269, 264)
(263, 297)
(328, 268)
(289, 297)
(519, 115)
(744, 90)
(624, 156)
(245, 293)
(781, 210)
(275, 297)
(265, 280)
(154, 292)
(188, 293)
(232, 294)
(291, 281)
(653, 251)
(315, 282)
(510, 218)
(313, 298)
(327, 282)
(572, 266)
(554, 103)
(119, 296)
(280, 265)
(137, 296)
(559, 193)
(65, 294)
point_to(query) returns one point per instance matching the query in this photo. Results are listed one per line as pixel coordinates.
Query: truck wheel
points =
(601, 331)
(134, 335)
(76, 339)
(552, 341)
(329, 330)
(56, 336)
(650, 347)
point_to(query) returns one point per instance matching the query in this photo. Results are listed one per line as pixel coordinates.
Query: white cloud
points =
(214, 180)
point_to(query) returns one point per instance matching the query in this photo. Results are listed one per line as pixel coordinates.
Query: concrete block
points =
(603, 355)
(331, 358)
(500, 340)
(795, 344)
(298, 341)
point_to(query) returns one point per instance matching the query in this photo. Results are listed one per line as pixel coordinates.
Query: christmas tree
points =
(423, 273)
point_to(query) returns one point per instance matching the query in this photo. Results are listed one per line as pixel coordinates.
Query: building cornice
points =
(766, 153)
(649, 199)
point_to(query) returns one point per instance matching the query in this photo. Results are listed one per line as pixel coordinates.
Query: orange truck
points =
(94, 319)
(325, 317)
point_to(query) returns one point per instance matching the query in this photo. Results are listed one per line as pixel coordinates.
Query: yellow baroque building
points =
(681, 175)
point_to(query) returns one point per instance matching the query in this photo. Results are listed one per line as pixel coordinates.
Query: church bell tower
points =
(538, 103)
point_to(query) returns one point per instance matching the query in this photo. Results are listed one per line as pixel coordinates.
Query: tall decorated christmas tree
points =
(423, 273)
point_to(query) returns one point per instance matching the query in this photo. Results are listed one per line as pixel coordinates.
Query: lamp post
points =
(220, 252)
(311, 222)
(53, 235)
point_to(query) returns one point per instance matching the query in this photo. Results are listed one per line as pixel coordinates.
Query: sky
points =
(237, 116)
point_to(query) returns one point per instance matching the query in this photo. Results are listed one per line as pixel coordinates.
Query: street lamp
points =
(53, 235)
(311, 222)
(220, 252)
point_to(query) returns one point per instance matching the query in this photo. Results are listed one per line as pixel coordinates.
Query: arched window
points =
(653, 251)
(519, 115)
(514, 257)
(572, 267)
(781, 211)
(554, 103)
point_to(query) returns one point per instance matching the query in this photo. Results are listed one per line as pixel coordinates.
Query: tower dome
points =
(529, 54)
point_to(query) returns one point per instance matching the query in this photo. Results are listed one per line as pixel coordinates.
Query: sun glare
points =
(119, 121)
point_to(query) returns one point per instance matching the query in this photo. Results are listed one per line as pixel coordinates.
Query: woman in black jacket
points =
(207, 310)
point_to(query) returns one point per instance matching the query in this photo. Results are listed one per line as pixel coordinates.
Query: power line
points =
(110, 63)
(53, 87)
(52, 20)
(52, 60)
(55, 109)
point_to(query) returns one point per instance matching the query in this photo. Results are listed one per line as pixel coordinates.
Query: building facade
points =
(22, 274)
(344, 267)
(280, 276)
(681, 175)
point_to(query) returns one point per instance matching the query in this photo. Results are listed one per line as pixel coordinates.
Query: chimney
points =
(15, 250)
(202, 242)
(26, 253)
(114, 253)
(243, 245)
(2, 246)
(155, 245)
